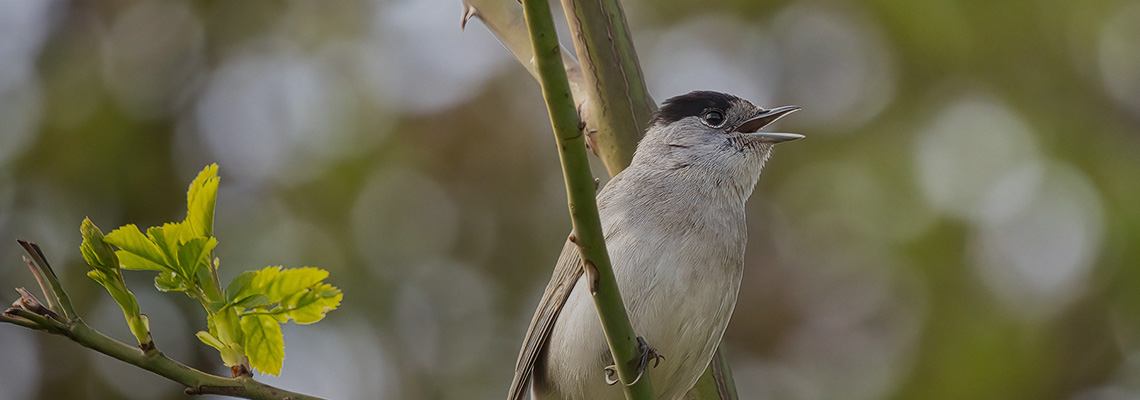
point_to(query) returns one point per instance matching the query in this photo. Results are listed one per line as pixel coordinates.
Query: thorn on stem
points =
(591, 276)
(469, 12)
(591, 138)
(581, 116)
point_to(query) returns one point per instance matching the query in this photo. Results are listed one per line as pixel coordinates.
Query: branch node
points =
(240, 371)
(28, 302)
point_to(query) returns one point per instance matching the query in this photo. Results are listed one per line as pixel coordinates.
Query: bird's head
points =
(712, 133)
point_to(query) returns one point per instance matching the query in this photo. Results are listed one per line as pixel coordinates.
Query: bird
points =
(674, 226)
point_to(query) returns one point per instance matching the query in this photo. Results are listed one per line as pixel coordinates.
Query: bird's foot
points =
(647, 354)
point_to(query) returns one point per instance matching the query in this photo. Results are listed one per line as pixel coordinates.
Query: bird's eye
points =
(714, 118)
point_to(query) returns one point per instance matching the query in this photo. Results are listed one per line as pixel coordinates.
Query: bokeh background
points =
(963, 221)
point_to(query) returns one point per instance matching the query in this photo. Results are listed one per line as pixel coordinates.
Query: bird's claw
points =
(611, 375)
(647, 353)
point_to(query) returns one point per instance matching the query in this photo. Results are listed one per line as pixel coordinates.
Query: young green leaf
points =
(133, 262)
(99, 277)
(226, 327)
(239, 284)
(278, 283)
(194, 256)
(311, 305)
(200, 199)
(168, 238)
(96, 252)
(264, 345)
(169, 282)
(210, 340)
(105, 270)
(147, 255)
(254, 301)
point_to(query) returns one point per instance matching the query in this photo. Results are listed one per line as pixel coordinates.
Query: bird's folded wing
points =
(566, 273)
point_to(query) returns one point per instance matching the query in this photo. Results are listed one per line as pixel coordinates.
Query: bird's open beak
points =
(768, 117)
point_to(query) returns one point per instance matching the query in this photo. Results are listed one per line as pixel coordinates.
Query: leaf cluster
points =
(244, 319)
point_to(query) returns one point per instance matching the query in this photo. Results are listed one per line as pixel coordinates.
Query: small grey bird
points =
(675, 230)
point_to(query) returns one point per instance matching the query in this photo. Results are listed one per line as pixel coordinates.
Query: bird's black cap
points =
(691, 104)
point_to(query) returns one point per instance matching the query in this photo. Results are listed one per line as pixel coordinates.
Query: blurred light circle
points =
(965, 150)
(713, 52)
(1115, 392)
(1037, 256)
(763, 379)
(271, 113)
(1119, 56)
(421, 62)
(860, 325)
(20, 363)
(834, 200)
(836, 64)
(294, 242)
(256, 228)
(20, 112)
(857, 315)
(24, 26)
(336, 361)
(401, 218)
(151, 52)
(445, 312)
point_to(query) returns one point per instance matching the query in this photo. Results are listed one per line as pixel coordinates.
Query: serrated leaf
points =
(168, 238)
(133, 262)
(264, 344)
(194, 256)
(280, 284)
(312, 304)
(96, 252)
(200, 201)
(169, 282)
(254, 301)
(239, 285)
(147, 253)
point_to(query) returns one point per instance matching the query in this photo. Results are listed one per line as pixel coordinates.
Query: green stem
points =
(607, 62)
(618, 102)
(583, 205)
(14, 320)
(196, 382)
(27, 313)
